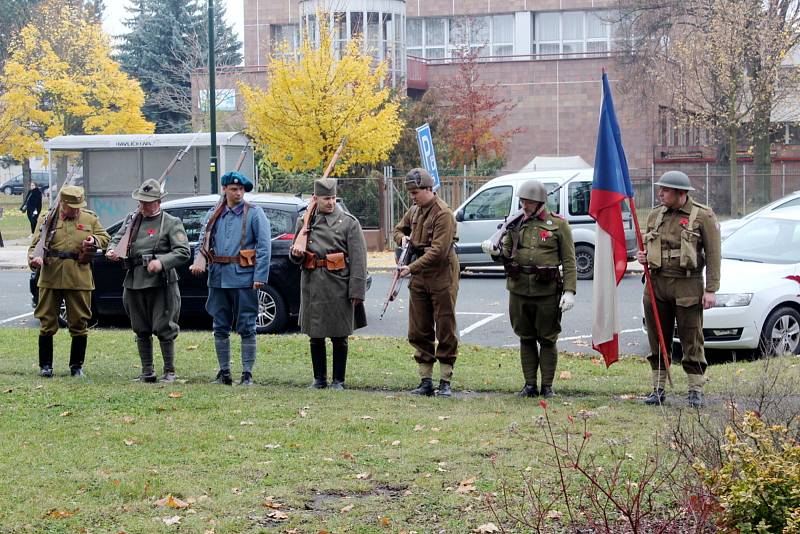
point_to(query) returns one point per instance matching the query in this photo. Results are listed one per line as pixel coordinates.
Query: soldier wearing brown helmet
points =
(66, 274)
(682, 240)
(431, 229)
(532, 251)
(150, 294)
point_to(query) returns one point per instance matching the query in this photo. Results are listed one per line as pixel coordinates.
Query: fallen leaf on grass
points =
(54, 405)
(362, 476)
(303, 413)
(346, 509)
(60, 514)
(272, 446)
(39, 387)
(417, 428)
(9, 390)
(565, 375)
(435, 429)
(246, 423)
(174, 520)
(65, 414)
(128, 419)
(444, 417)
(269, 503)
(129, 442)
(395, 443)
(366, 417)
(175, 395)
(347, 455)
(433, 441)
(554, 514)
(171, 502)
(236, 491)
(277, 515)
(384, 521)
(488, 528)
(597, 361)
(466, 486)
(192, 347)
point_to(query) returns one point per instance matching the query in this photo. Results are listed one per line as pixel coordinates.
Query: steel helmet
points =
(675, 180)
(533, 190)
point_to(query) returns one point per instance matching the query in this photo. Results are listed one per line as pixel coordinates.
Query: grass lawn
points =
(95, 455)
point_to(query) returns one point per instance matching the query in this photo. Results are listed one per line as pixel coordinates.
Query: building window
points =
(285, 38)
(435, 32)
(571, 33)
(435, 38)
(502, 35)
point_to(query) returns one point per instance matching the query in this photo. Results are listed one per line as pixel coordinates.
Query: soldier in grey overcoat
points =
(158, 244)
(333, 281)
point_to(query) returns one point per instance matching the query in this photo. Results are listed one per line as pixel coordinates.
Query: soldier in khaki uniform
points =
(681, 238)
(532, 251)
(431, 229)
(152, 300)
(66, 274)
(333, 282)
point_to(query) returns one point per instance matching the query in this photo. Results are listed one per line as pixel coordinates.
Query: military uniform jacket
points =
(545, 240)
(676, 230)
(226, 241)
(165, 238)
(66, 273)
(326, 310)
(432, 230)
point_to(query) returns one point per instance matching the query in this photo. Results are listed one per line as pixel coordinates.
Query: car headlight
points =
(733, 300)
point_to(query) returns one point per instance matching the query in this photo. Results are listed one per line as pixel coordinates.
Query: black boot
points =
(77, 353)
(224, 377)
(547, 392)
(425, 388)
(247, 379)
(656, 397)
(46, 356)
(444, 389)
(319, 363)
(339, 362)
(695, 399)
(529, 390)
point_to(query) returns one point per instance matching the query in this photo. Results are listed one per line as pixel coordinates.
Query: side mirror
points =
(460, 216)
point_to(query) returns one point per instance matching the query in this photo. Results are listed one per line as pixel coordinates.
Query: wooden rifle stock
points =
(301, 241)
(48, 225)
(121, 249)
(397, 282)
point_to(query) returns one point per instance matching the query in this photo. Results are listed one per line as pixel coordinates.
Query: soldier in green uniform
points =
(150, 294)
(532, 251)
(681, 239)
(66, 274)
(431, 229)
(333, 282)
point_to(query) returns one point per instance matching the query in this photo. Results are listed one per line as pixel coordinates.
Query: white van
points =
(486, 209)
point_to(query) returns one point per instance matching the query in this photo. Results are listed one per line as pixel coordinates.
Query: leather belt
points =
(62, 255)
(226, 259)
(670, 254)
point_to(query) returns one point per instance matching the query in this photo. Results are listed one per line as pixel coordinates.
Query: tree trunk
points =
(762, 167)
(734, 171)
(26, 176)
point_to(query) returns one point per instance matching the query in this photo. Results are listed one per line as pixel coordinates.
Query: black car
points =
(14, 185)
(278, 302)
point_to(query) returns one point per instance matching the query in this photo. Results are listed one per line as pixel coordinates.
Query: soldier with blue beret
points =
(236, 240)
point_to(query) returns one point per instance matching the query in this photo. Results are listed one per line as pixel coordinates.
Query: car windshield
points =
(765, 240)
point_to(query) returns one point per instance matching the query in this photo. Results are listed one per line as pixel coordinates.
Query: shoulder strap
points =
(209, 233)
(693, 216)
(136, 222)
(244, 224)
(660, 217)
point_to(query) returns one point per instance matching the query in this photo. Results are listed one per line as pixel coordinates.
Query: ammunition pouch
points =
(652, 244)
(512, 269)
(86, 254)
(336, 261)
(688, 251)
(247, 257)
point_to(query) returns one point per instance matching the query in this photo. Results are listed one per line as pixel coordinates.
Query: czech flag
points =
(610, 187)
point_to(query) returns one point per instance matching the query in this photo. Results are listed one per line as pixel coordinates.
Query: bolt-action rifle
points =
(121, 250)
(48, 228)
(397, 282)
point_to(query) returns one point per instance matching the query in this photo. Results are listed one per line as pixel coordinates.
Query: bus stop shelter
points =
(110, 167)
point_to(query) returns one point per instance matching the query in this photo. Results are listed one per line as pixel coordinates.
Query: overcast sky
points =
(115, 13)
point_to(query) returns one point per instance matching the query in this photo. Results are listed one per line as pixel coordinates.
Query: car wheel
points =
(584, 261)
(272, 312)
(781, 334)
(62, 315)
(7, 191)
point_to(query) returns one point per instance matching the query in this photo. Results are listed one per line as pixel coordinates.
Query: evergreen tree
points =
(14, 14)
(165, 43)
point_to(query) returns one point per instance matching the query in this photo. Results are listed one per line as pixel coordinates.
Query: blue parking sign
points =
(427, 154)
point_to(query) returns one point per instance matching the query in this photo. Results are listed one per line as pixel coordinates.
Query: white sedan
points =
(758, 302)
(731, 225)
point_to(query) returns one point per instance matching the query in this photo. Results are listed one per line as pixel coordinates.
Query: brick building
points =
(546, 55)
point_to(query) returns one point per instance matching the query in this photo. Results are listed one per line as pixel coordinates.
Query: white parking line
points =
(473, 326)
(585, 336)
(15, 318)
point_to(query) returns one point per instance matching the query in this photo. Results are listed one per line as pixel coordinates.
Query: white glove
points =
(488, 248)
(567, 301)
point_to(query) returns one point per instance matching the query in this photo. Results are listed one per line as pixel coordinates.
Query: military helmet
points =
(533, 190)
(675, 180)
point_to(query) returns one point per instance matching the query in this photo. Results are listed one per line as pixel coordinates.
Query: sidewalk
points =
(14, 256)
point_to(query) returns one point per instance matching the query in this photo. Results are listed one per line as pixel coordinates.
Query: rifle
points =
(397, 282)
(121, 249)
(48, 227)
(497, 238)
(301, 242)
(204, 255)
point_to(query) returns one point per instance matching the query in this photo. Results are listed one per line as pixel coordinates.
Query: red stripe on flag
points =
(609, 350)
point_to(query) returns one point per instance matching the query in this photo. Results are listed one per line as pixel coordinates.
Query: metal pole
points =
(783, 179)
(707, 192)
(212, 99)
(744, 189)
(652, 184)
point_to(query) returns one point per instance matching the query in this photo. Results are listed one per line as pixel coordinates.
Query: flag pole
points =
(649, 283)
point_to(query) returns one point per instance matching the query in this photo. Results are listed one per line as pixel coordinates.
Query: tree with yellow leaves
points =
(314, 100)
(60, 79)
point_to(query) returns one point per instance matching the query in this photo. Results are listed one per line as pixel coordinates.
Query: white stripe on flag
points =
(605, 321)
